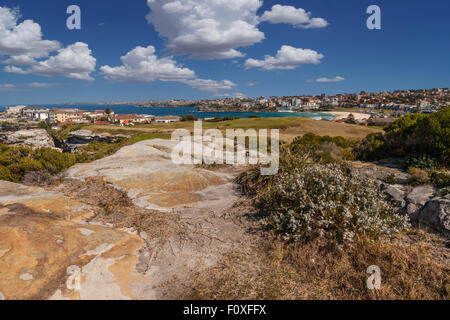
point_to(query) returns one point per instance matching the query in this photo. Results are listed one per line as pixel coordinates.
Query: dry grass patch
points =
(113, 206)
(277, 270)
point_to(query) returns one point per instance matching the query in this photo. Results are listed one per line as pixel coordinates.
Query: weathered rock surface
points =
(84, 137)
(396, 195)
(146, 171)
(52, 247)
(436, 215)
(41, 236)
(423, 204)
(36, 138)
(420, 195)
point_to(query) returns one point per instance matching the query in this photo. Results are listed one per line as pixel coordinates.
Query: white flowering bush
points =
(326, 201)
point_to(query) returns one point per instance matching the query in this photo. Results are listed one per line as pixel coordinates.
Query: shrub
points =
(39, 178)
(422, 162)
(391, 179)
(223, 119)
(412, 135)
(445, 191)
(189, 117)
(23, 166)
(5, 174)
(440, 179)
(326, 202)
(418, 177)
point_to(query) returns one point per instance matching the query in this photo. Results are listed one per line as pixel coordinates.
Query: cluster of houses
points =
(64, 116)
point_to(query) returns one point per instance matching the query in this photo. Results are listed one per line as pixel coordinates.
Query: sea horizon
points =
(182, 111)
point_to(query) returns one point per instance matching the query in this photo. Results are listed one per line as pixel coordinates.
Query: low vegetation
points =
(39, 166)
(413, 267)
(423, 139)
(317, 196)
(326, 226)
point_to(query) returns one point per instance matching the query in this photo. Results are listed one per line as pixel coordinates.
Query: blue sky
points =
(410, 51)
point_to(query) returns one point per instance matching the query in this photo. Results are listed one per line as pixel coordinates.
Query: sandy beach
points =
(344, 115)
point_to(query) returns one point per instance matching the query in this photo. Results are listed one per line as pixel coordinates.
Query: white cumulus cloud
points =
(27, 52)
(22, 42)
(295, 16)
(143, 65)
(212, 86)
(335, 79)
(287, 58)
(75, 62)
(206, 29)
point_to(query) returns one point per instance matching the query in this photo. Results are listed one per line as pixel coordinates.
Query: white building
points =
(167, 119)
(36, 113)
(15, 110)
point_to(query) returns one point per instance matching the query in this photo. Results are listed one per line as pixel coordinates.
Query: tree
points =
(189, 117)
(351, 119)
(108, 110)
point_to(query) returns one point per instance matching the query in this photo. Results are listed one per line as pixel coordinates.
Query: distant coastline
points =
(122, 109)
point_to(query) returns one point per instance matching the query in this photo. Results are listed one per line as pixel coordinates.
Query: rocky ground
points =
(125, 226)
(427, 207)
(36, 138)
(60, 244)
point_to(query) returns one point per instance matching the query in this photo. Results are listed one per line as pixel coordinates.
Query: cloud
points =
(143, 65)
(287, 58)
(8, 87)
(27, 53)
(237, 95)
(212, 86)
(335, 79)
(42, 85)
(206, 29)
(75, 62)
(22, 42)
(291, 15)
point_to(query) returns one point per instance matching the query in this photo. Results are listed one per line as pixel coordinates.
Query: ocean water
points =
(181, 111)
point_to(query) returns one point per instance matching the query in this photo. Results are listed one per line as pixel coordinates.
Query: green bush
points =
(391, 179)
(189, 117)
(411, 135)
(5, 174)
(440, 179)
(223, 119)
(23, 166)
(422, 162)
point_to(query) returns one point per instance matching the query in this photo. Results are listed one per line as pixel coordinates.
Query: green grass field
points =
(289, 127)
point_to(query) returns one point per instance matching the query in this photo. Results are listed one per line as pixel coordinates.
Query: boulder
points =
(436, 215)
(84, 137)
(420, 195)
(35, 138)
(395, 195)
